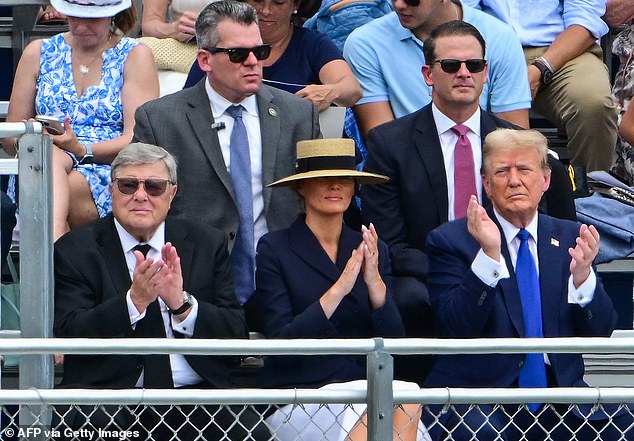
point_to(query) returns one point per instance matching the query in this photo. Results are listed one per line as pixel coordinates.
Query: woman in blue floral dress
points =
(93, 79)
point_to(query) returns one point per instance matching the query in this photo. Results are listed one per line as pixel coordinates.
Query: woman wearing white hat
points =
(92, 79)
(320, 279)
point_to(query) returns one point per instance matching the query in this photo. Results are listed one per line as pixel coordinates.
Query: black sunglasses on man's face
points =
(239, 54)
(450, 65)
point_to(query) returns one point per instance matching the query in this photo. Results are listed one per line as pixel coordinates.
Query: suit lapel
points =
(550, 260)
(200, 121)
(306, 246)
(509, 287)
(430, 152)
(270, 123)
(109, 246)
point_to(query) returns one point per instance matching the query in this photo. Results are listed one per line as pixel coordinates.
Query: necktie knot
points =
(144, 248)
(460, 130)
(235, 111)
(523, 235)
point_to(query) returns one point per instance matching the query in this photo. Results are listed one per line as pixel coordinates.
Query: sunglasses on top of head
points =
(239, 54)
(474, 65)
(152, 186)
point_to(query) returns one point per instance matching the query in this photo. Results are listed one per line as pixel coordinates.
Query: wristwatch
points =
(546, 70)
(188, 301)
(88, 157)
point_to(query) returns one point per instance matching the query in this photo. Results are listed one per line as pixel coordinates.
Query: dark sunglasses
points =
(412, 2)
(153, 186)
(239, 54)
(474, 65)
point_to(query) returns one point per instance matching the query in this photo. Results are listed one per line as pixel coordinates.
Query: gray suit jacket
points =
(181, 123)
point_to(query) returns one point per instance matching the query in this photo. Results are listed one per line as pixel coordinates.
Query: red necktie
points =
(463, 172)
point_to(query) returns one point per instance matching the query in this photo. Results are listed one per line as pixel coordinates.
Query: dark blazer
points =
(293, 272)
(465, 307)
(415, 199)
(91, 282)
(181, 124)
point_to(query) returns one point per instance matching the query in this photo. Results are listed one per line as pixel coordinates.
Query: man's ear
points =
(174, 189)
(426, 71)
(204, 59)
(486, 185)
(546, 184)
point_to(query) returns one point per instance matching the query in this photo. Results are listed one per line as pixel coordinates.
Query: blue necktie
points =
(533, 374)
(243, 253)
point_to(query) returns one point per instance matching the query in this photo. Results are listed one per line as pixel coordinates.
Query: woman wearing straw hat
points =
(91, 79)
(320, 279)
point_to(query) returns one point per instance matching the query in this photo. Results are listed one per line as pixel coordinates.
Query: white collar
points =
(510, 231)
(444, 123)
(219, 103)
(128, 242)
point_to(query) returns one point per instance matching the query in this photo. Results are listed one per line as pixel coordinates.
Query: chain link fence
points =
(330, 413)
(147, 419)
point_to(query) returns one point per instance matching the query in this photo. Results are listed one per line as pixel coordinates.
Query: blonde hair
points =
(510, 139)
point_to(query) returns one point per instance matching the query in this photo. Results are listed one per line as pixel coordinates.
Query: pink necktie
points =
(463, 172)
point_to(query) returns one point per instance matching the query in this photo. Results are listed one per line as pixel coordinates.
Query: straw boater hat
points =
(91, 8)
(327, 158)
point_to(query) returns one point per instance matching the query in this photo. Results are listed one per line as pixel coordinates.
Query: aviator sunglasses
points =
(153, 186)
(239, 54)
(474, 65)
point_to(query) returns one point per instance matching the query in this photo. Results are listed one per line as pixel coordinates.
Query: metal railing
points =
(380, 397)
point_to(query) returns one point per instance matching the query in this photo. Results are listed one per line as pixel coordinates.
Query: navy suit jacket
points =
(415, 199)
(293, 272)
(91, 282)
(465, 307)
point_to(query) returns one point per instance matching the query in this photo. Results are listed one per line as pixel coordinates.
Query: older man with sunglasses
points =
(386, 56)
(433, 159)
(232, 135)
(140, 273)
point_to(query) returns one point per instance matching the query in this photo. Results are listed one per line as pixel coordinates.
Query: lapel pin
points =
(554, 242)
(272, 112)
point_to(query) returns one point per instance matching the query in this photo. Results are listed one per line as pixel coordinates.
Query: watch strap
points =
(88, 157)
(187, 303)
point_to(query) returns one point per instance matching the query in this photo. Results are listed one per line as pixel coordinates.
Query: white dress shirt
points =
(182, 372)
(448, 139)
(251, 119)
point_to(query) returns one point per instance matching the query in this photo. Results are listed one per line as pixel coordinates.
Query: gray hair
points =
(138, 153)
(215, 12)
(509, 140)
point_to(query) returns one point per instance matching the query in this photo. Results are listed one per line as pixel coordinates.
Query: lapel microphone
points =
(218, 126)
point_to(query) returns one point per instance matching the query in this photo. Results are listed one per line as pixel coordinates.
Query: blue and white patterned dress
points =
(95, 116)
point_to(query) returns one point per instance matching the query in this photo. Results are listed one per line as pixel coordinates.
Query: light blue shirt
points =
(387, 59)
(539, 22)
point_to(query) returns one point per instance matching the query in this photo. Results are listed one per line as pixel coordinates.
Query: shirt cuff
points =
(489, 271)
(133, 313)
(186, 326)
(585, 293)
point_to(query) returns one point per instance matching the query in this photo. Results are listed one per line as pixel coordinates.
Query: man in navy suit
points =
(511, 272)
(416, 153)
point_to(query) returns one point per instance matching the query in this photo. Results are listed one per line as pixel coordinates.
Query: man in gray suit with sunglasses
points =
(225, 159)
